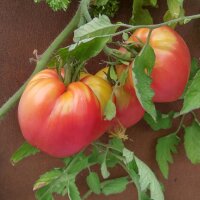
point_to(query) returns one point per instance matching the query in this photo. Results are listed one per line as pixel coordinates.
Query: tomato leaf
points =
(149, 181)
(114, 186)
(79, 165)
(117, 143)
(163, 121)
(94, 182)
(140, 15)
(24, 151)
(112, 73)
(142, 68)
(125, 36)
(150, 3)
(56, 5)
(110, 110)
(104, 171)
(98, 27)
(44, 194)
(128, 155)
(175, 10)
(192, 95)
(54, 181)
(73, 192)
(81, 51)
(47, 178)
(192, 142)
(195, 67)
(165, 147)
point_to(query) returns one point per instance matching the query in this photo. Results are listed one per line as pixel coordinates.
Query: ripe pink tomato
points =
(62, 120)
(172, 65)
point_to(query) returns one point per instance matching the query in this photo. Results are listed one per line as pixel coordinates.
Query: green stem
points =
(153, 26)
(87, 194)
(180, 125)
(77, 71)
(41, 64)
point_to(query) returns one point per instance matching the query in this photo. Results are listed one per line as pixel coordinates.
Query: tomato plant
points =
(63, 109)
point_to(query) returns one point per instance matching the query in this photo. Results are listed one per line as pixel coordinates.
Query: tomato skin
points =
(129, 110)
(103, 91)
(172, 65)
(56, 119)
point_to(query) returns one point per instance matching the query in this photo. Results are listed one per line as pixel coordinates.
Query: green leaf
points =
(142, 68)
(109, 9)
(94, 182)
(123, 77)
(175, 7)
(44, 194)
(192, 95)
(125, 36)
(104, 171)
(192, 142)
(114, 186)
(101, 2)
(73, 192)
(163, 121)
(195, 67)
(117, 143)
(112, 73)
(175, 10)
(67, 160)
(24, 151)
(54, 181)
(128, 155)
(47, 178)
(140, 15)
(56, 5)
(98, 27)
(150, 3)
(111, 160)
(149, 181)
(110, 110)
(165, 147)
(80, 164)
(81, 51)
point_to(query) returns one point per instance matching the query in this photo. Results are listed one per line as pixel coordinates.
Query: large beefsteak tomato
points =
(62, 120)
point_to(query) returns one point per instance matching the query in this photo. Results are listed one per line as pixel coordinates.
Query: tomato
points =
(172, 65)
(129, 110)
(62, 120)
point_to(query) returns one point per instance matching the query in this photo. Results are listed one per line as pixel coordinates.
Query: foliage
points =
(105, 7)
(141, 15)
(165, 146)
(56, 4)
(144, 61)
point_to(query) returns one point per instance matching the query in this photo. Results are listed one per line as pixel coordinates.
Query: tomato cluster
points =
(61, 120)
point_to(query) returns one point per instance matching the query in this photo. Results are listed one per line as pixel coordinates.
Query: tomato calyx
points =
(118, 131)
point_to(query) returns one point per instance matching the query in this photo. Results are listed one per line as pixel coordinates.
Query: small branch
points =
(87, 194)
(180, 125)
